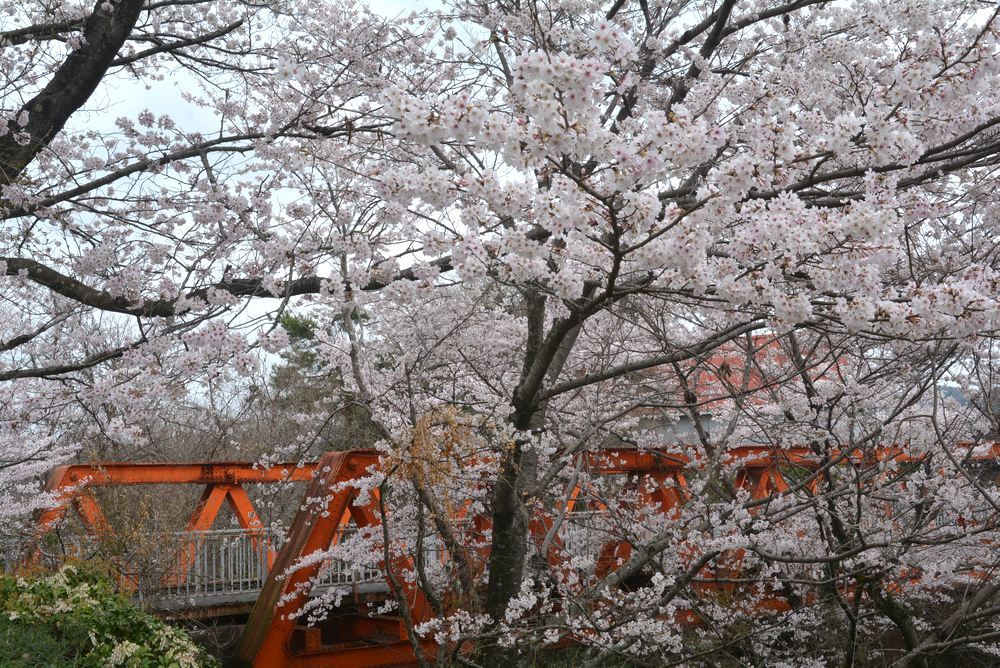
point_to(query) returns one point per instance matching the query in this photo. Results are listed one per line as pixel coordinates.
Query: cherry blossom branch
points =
(70, 87)
(18, 341)
(679, 355)
(210, 146)
(62, 369)
(40, 31)
(80, 292)
(168, 47)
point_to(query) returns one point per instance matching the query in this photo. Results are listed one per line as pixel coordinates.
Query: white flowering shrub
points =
(78, 610)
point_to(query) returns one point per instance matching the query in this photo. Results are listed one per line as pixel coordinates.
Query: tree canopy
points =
(566, 224)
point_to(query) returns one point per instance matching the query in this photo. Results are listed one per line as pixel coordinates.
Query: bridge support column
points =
(267, 638)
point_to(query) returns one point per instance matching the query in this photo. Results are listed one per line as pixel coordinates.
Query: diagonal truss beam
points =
(329, 501)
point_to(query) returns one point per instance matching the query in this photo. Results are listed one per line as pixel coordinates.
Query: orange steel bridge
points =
(273, 637)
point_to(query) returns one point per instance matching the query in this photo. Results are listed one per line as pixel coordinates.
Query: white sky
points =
(125, 97)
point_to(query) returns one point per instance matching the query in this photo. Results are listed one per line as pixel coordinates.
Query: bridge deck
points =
(226, 569)
(219, 569)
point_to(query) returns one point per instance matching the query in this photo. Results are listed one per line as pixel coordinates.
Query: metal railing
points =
(187, 569)
(215, 566)
(231, 566)
(190, 569)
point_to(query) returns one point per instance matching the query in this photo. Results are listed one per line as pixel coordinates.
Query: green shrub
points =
(24, 646)
(74, 617)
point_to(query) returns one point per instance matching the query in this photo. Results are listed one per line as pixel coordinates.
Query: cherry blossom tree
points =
(532, 230)
(106, 216)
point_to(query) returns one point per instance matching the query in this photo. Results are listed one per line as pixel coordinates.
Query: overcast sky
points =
(126, 97)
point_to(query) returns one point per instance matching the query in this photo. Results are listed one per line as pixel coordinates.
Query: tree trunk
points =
(70, 87)
(515, 486)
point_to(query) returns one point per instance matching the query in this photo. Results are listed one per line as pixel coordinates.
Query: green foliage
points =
(74, 617)
(301, 382)
(301, 357)
(298, 327)
(24, 646)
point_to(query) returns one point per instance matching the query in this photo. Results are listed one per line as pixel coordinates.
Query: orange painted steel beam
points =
(611, 461)
(126, 473)
(355, 655)
(93, 517)
(607, 461)
(761, 483)
(267, 637)
(668, 490)
(630, 460)
(208, 508)
(223, 481)
(212, 500)
(71, 480)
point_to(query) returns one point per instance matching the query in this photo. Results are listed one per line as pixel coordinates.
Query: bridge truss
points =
(281, 585)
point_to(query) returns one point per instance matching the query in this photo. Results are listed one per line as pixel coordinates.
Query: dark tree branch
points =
(61, 369)
(179, 44)
(70, 87)
(212, 146)
(678, 355)
(41, 31)
(17, 341)
(80, 292)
